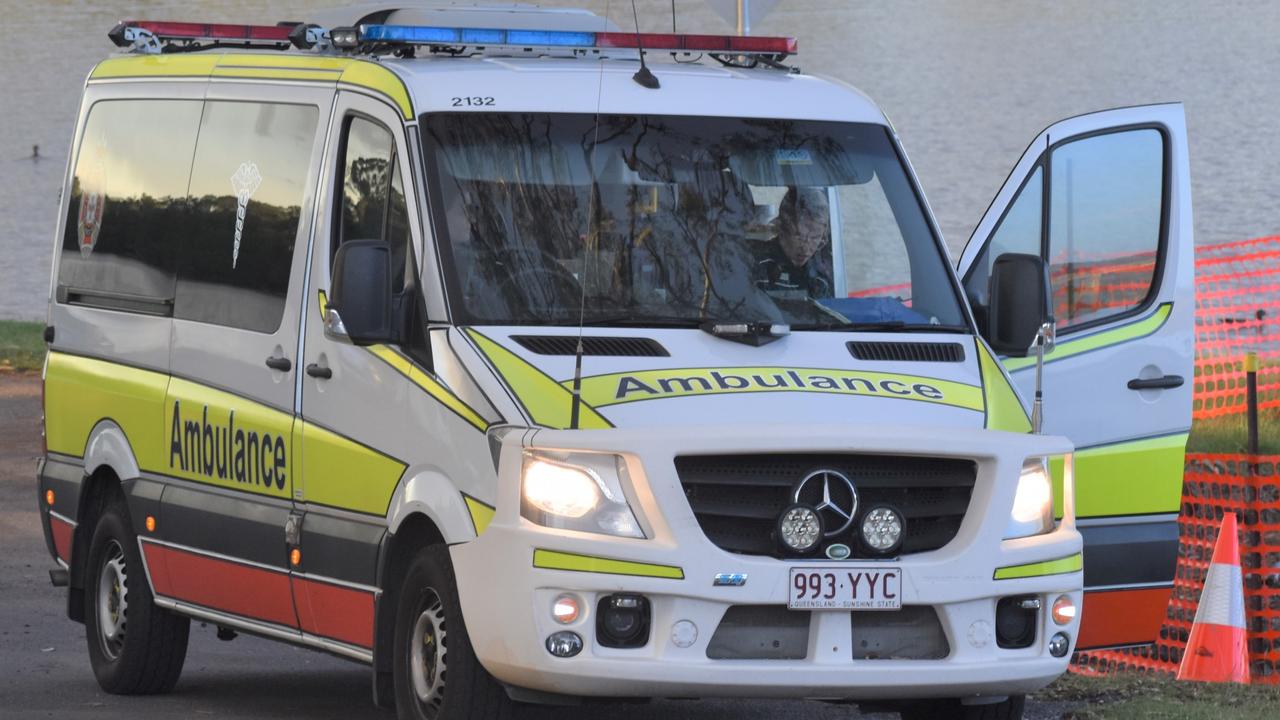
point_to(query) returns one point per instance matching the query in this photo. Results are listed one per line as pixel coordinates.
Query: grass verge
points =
(1228, 434)
(1131, 695)
(21, 345)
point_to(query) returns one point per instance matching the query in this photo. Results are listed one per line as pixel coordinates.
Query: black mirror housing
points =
(1021, 303)
(362, 291)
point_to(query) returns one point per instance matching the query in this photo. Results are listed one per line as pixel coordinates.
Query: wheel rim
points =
(113, 601)
(427, 649)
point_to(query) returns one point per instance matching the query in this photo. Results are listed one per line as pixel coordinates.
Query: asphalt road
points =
(44, 666)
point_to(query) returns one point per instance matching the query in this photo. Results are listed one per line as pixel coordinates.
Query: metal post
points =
(1251, 396)
(744, 17)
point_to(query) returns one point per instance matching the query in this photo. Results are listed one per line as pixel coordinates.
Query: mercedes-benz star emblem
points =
(833, 495)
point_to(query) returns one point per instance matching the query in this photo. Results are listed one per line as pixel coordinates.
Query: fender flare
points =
(429, 492)
(109, 446)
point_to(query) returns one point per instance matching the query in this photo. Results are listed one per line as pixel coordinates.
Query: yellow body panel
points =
(552, 560)
(481, 514)
(362, 74)
(547, 401)
(344, 474)
(79, 392)
(1004, 409)
(1070, 564)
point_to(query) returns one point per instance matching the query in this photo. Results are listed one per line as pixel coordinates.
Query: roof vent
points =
(593, 345)
(908, 351)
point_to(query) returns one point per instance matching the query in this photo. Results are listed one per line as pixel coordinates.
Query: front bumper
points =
(506, 600)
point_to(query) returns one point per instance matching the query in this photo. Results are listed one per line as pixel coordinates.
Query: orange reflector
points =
(48, 497)
(1064, 610)
(566, 609)
(151, 523)
(295, 557)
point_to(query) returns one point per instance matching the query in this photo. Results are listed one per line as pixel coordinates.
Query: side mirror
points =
(361, 302)
(1020, 303)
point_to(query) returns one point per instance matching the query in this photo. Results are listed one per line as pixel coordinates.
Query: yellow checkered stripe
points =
(350, 72)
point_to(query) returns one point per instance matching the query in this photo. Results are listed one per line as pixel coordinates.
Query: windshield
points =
(674, 221)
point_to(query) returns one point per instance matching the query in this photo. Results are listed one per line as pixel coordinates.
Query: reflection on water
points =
(967, 84)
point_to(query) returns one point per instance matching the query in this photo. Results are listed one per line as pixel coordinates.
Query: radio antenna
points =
(575, 409)
(643, 76)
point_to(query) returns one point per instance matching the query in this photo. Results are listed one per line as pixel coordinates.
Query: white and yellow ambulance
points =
(461, 343)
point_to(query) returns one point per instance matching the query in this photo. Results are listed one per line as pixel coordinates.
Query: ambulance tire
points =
(1010, 709)
(135, 646)
(453, 686)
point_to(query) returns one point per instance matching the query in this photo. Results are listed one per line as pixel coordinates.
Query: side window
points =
(373, 204)
(128, 205)
(247, 187)
(1018, 232)
(1106, 198)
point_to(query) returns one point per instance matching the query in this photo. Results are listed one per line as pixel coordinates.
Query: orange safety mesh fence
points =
(1085, 288)
(1214, 484)
(1237, 310)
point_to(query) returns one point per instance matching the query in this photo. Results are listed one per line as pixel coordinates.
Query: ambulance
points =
(531, 360)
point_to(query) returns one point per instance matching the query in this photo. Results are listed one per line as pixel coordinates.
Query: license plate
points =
(845, 588)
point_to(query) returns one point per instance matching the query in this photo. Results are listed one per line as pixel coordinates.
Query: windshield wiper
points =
(883, 326)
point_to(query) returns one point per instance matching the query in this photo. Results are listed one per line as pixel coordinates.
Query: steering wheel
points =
(515, 286)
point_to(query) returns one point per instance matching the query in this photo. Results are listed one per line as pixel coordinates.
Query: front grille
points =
(737, 498)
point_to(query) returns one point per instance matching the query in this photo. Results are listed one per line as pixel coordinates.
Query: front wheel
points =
(437, 675)
(135, 647)
(1010, 709)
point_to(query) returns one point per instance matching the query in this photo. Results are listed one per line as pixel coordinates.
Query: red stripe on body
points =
(336, 612)
(219, 584)
(61, 530)
(1112, 618)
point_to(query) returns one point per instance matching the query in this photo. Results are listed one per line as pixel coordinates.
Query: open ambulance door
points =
(1105, 199)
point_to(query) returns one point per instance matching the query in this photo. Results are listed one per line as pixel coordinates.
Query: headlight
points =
(1033, 503)
(577, 491)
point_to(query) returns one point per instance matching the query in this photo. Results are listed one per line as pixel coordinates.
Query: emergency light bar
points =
(155, 36)
(147, 35)
(450, 38)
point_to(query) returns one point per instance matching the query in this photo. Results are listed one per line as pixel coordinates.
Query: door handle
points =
(1161, 383)
(319, 371)
(279, 363)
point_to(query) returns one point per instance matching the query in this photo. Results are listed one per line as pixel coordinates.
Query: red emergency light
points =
(729, 44)
(127, 32)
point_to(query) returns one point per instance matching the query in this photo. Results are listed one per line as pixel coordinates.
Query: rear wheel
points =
(437, 675)
(135, 647)
(1010, 709)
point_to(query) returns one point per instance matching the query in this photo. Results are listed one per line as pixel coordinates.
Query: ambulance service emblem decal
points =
(93, 200)
(245, 182)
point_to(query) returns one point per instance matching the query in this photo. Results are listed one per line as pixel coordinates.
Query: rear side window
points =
(248, 183)
(128, 205)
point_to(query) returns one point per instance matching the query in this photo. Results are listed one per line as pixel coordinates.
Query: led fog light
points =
(1064, 610)
(799, 528)
(882, 529)
(1059, 644)
(564, 644)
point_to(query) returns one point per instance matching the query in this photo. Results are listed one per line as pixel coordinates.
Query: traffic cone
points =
(1217, 650)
